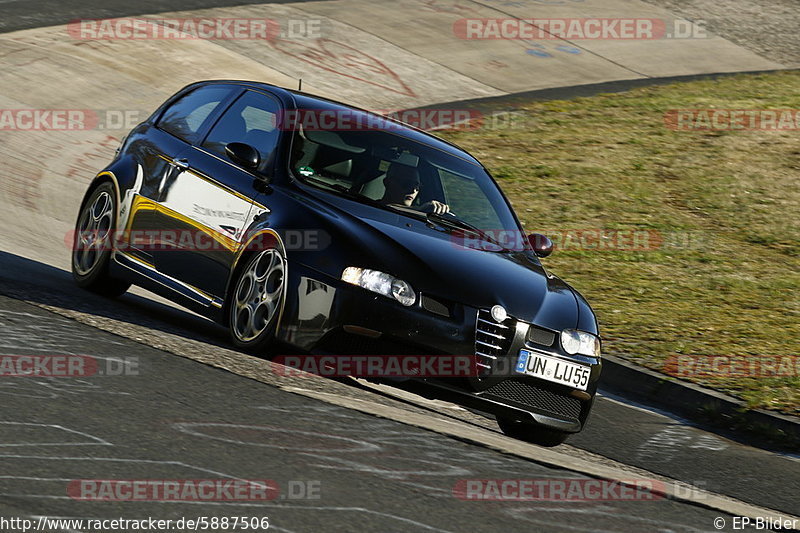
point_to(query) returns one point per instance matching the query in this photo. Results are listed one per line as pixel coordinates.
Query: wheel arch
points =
(256, 241)
(121, 174)
(105, 176)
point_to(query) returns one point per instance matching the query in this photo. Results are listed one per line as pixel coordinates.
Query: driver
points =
(402, 188)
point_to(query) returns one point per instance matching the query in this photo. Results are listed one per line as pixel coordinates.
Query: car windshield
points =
(387, 169)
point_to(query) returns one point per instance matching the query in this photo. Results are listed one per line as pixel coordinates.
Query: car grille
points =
(492, 341)
(539, 398)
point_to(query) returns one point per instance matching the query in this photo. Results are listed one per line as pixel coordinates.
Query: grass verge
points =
(720, 274)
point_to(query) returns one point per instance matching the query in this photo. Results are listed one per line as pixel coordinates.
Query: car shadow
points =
(39, 283)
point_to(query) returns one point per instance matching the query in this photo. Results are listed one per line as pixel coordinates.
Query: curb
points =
(695, 402)
(692, 401)
(513, 100)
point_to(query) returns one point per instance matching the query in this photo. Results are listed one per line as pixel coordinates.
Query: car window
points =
(359, 162)
(185, 118)
(464, 196)
(252, 120)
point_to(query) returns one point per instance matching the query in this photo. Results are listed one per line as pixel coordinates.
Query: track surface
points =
(375, 474)
(178, 419)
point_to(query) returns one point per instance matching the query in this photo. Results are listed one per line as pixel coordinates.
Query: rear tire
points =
(92, 244)
(532, 433)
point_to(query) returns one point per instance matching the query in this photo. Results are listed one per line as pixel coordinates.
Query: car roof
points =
(303, 100)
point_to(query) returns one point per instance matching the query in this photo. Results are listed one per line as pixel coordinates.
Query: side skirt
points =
(147, 276)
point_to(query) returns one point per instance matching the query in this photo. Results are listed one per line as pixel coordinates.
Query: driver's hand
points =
(435, 207)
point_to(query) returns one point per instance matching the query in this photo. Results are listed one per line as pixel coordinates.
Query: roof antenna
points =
(300, 85)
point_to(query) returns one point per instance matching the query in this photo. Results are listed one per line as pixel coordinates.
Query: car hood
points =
(434, 262)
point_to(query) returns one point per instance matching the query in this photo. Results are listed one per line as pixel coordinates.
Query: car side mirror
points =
(244, 155)
(541, 244)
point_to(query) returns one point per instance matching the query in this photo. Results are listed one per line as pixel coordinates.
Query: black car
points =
(300, 221)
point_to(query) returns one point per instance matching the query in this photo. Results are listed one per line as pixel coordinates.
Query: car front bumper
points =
(328, 316)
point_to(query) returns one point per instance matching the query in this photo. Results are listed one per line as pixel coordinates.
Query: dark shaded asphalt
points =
(24, 14)
(673, 447)
(169, 418)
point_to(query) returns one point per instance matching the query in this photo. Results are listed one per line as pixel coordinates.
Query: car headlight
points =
(574, 341)
(382, 283)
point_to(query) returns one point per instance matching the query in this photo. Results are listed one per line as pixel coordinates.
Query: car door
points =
(213, 199)
(181, 124)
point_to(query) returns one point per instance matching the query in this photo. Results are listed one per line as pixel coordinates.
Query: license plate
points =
(553, 369)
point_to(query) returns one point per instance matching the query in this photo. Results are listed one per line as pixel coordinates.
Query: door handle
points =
(182, 164)
(179, 164)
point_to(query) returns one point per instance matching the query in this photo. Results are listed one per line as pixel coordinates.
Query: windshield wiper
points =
(455, 222)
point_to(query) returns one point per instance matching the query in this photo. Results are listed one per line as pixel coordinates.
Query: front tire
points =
(532, 433)
(257, 300)
(92, 244)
